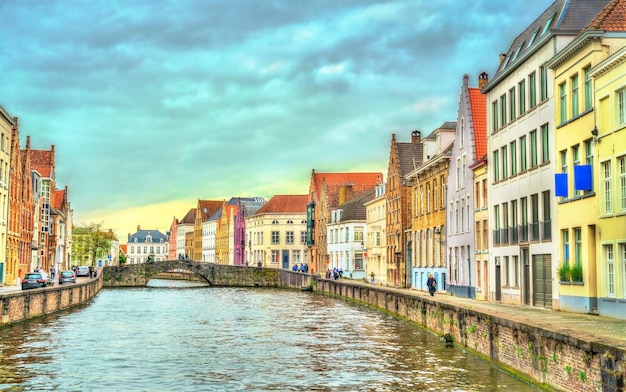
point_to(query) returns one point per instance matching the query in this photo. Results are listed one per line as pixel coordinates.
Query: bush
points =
(576, 273)
(565, 273)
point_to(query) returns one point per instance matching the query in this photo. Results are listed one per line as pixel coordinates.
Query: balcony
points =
(534, 231)
(504, 234)
(514, 233)
(496, 237)
(523, 233)
(546, 230)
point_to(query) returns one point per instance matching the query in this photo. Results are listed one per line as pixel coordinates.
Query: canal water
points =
(229, 339)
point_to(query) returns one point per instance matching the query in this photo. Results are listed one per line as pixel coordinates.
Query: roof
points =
(611, 18)
(561, 17)
(141, 236)
(411, 156)
(356, 182)
(190, 218)
(123, 248)
(285, 204)
(478, 105)
(355, 209)
(58, 198)
(250, 204)
(206, 208)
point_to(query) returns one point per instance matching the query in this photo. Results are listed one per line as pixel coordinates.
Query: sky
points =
(152, 105)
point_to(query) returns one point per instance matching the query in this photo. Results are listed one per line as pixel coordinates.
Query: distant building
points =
(8, 253)
(204, 210)
(146, 245)
(184, 226)
(375, 234)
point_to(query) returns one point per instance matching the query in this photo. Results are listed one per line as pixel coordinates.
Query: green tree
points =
(89, 243)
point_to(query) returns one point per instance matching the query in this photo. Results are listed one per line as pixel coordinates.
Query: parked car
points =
(83, 270)
(33, 280)
(67, 277)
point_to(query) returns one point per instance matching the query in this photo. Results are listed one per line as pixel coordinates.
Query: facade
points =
(204, 210)
(184, 226)
(59, 214)
(15, 268)
(8, 273)
(209, 229)
(276, 233)
(481, 226)
(326, 192)
(403, 158)
(147, 245)
(37, 202)
(44, 163)
(245, 207)
(171, 252)
(470, 143)
(346, 234)
(581, 209)
(609, 79)
(520, 118)
(375, 243)
(427, 230)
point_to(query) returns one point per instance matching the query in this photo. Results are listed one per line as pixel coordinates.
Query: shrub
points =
(565, 273)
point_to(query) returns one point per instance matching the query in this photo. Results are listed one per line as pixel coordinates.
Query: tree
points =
(90, 243)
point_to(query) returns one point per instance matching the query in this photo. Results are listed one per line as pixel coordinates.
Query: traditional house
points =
(375, 229)
(470, 144)
(44, 163)
(204, 210)
(184, 226)
(245, 207)
(171, 251)
(520, 119)
(10, 173)
(276, 232)
(326, 192)
(147, 246)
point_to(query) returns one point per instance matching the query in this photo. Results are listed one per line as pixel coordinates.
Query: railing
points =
(546, 230)
(504, 233)
(534, 231)
(514, 232)
(496, 237)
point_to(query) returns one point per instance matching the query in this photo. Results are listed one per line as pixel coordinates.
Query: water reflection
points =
(228, 339)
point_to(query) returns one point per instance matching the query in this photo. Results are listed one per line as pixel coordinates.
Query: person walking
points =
(431, 283)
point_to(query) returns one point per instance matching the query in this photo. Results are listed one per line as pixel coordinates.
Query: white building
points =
(375, 236)
(346, 236)
(145, 246)
(209, 228)
(186, 225)
(520, 127)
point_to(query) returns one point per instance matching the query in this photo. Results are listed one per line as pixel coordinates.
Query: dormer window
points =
(274, 222)
(148, 238)
(290, 222)
(532, 39)
(135, 240)
(548, 23)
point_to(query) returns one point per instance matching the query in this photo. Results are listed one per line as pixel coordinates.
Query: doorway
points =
(525, 276)
(542, 277)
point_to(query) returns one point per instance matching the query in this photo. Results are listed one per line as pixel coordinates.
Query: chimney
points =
(416, 137)
(138, 228)
(128, 237)
(483, 79)
(342, 195)
(502, 57)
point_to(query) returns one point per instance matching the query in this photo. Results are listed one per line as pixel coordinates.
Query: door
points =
(525, 277)
(498, 283)
(542, 278)
(286, 259)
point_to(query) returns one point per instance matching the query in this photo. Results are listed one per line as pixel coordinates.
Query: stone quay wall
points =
(546, 358)
(23, 305)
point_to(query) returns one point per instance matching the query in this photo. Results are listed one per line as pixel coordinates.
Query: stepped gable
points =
(355, 184)
(411, 156)
(190, 218)
(611, 18)
(42, 161)
(285, 204)
(478, 105)
(355, 209)
(206, 208)
(57, 199)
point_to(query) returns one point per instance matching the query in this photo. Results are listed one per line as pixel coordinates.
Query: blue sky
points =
(153, 104)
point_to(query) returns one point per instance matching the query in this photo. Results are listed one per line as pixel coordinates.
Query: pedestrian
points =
(90, 271)
(431, 283)
(52, 271)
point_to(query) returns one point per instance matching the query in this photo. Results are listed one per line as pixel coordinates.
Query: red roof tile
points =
(57, 199)
(190, 218)
(295, 204)
(478, 103)
(208, 208)
(359, 182)
(611, 18)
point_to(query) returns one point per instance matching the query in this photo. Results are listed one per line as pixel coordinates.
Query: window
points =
(578, 244)
(358, 235)
(621, 107)
(428, 204)
(533, 148)
(532, 39)
(563, 154)
(347, 234)
(545, 144)
(588, 91)
(589, 157)
(443, 191)
(435, 194)
(610, 269)
(522, 154)
(507, 271)
(521, 92)
(562, 103)
(275, 255)
(358, 261)
(534, 206)
(515, 271)
(576, 158)
(289, 237)
(484, 187)
(275, 237)
(302, 237)
(546, 229)
(496, 173)
(462, 132)
(504, 162)
(513, 149)
(512, 104)
(494, 116)
(607, 198)
(544, 83)
(565, 244)
(621, 163)
(532, 90)
(548, 23)
(503, 110)
(575, 103)
(524, 218)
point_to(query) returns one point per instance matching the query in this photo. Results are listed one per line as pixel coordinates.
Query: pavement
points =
(586, 327)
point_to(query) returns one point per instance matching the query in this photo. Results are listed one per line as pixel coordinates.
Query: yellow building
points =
(481, 228)
(581, 160)
(8, 273)
(376, 242)
(609, 79)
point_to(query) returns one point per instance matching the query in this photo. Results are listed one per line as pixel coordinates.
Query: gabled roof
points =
(216, 215)
(355, 209)
(190, 218)
(123, 249)
(142, 235)
(250, 204)
(285, 204)
(478, 105)
(355, 182)
(611, 18)
(566, 17)
(58, 198)
(206, 208)
(411, 156)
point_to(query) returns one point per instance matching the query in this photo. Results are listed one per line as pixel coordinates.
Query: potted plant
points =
(565, 273)
(576, 273)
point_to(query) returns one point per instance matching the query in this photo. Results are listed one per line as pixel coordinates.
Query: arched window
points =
(274, 222)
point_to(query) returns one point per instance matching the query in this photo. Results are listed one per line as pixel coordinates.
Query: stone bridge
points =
(136, 275)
